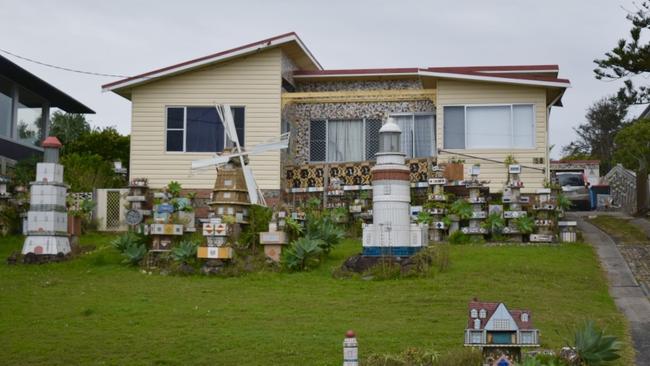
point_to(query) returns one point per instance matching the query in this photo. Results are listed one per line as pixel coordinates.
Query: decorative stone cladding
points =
(288, 67)
(358, 85)
(300, 115)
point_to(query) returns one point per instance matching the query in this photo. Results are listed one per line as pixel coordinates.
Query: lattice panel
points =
(74, 199)
(113, 217)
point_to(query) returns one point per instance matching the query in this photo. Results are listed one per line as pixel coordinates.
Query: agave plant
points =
(134, 253)
(174, 188)
(302, 254)
(462, 209)
(325, 230)
(122, 242)
(594, 347)
(525, 224)
(185, 251)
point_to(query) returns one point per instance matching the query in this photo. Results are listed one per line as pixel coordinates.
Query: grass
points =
(621, 229)
(94, 310)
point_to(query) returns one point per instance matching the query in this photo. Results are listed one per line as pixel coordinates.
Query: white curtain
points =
(405, 124)
(345, 140)
(488, 127)
(423, 131)
(523, 126)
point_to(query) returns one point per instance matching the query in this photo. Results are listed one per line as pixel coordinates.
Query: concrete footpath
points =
(623, 287)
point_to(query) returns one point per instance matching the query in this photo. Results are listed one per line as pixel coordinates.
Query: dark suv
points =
(575, 189)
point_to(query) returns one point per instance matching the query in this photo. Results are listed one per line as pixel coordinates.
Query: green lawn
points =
(94, 310)
(620, 229)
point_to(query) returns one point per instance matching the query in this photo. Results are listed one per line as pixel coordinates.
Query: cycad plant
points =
(594, 347)
(525, 224)
(461, 208)
(327, 231)
(302, 254)
(494, 223)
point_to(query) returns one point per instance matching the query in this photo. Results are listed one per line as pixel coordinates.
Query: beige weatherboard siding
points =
(484, 93)
(253, 82)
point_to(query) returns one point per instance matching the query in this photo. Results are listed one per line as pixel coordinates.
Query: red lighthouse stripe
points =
(392, 174)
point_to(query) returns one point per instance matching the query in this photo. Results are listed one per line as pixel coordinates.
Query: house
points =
(589, 168)
(25, 105)
(499, 332)
(480, 114)
(491, 324)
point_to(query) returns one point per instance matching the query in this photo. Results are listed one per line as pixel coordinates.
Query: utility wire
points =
(63, 68)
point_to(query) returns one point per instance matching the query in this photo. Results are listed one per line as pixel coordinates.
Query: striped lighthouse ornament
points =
(350, 349)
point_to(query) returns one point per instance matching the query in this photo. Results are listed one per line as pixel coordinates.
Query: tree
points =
(629, 58)
(633, 151)
(596, 136)
(107, 143)
(68, 127)
(85, 172)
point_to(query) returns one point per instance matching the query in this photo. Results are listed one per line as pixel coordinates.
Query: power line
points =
(63, 68)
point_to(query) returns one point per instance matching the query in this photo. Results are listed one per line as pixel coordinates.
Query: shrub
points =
(85, 172)
(302, 254)
(461, 208)
(294, 229)
(258, 221)
(10, 220)
(325, 230)
(494, 223)
(594, 347)
(458, 237)
(185, 251)
(525, 224)
(423, 217)
(460, 357)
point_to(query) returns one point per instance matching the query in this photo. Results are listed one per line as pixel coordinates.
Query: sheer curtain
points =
(523, 126)
(423, 133)
(345, 140)
(405, 124)
(488, 127)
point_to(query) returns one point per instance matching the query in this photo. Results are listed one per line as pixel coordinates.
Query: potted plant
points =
(455, 169)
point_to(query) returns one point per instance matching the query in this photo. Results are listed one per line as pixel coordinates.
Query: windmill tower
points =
(235, 188)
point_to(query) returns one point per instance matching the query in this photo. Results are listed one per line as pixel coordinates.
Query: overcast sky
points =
(130, 37)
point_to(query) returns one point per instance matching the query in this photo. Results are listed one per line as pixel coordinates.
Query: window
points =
(417, 134)
(343, 140)
(6, 93)
(199, 129)
(473, 314)
(527, 338)
(489, 127)
(501, 324)
(524, 317)
(29, 117)
(477, 337)
(477, 324)
(482, 314)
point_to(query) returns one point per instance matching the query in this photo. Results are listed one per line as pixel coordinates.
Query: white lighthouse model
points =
(391, 232)
(47, 219)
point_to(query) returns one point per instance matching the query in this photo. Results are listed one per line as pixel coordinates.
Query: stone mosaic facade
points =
(300, 115)
(358, 85)
(288, 67)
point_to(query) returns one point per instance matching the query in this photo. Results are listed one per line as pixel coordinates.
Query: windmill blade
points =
(229, 124)
(211, 162)
(253, 191)
(283, 143)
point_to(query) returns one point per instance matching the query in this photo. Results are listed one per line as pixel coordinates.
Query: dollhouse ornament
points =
(391, 232)
(47, 219)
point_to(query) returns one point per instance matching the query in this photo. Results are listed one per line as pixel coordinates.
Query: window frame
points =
(511, 105)
(327, 121)
(184, 129)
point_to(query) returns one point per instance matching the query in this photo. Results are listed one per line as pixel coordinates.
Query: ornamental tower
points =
(47, 219)
(391, 232)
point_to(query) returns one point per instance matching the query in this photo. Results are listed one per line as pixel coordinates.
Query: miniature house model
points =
(494, 328)
(391, 232)
(47, 219)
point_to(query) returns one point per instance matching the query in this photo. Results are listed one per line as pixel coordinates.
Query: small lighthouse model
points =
(47, 219)
(391, 232)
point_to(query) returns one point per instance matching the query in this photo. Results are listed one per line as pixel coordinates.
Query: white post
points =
(350, 350)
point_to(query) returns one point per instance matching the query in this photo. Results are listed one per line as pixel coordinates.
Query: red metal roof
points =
(51, 141)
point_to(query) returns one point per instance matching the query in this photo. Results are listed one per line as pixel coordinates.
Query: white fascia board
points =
(517, 71)
(445, 75)
(215, 59)
(355, 75)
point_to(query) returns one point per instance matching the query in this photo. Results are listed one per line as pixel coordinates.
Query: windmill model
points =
(235, 188)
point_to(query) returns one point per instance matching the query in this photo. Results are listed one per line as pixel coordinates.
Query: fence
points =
(622, 187)
(111, 209)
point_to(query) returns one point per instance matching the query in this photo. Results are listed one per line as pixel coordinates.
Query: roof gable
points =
(294, 44)
(501, 319)
(495, 310)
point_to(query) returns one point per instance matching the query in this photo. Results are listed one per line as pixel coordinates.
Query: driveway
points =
(623, 287)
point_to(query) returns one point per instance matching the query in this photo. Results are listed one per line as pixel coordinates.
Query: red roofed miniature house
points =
(491, 324)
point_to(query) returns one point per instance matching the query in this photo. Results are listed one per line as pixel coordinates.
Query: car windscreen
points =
(573, 180)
